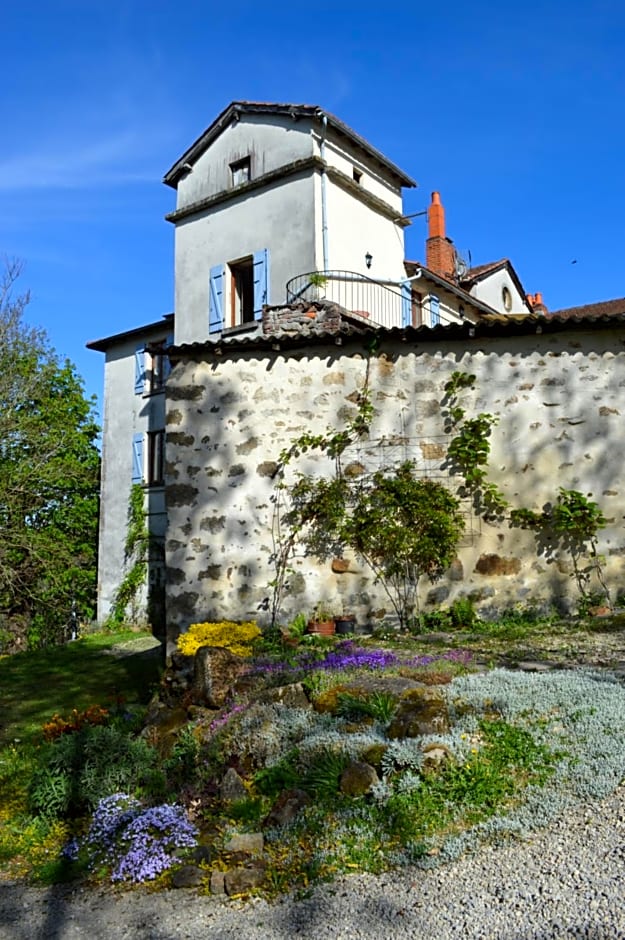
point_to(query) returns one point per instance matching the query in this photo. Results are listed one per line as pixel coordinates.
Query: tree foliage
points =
(49, 467)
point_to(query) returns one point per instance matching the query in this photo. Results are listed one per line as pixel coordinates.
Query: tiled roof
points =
(466, 331)
(606, 308)
(295, 110)
(480, 270)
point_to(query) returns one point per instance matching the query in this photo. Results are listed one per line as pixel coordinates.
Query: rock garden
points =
(266, 763)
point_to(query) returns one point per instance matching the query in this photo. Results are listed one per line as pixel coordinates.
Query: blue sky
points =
(513, 111)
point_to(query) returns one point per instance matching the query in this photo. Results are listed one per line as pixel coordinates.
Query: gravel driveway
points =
(566, 882)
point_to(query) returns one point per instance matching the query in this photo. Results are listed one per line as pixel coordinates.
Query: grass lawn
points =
(35, 685)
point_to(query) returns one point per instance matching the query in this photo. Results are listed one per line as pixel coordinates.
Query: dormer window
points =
(241, 171)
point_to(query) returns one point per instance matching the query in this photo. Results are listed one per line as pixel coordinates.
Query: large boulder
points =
(232, 787)
(421, 711)
(241, 880)
(215, 671)
(358, 778)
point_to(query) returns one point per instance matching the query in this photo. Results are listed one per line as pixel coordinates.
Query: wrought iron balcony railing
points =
(384, 304)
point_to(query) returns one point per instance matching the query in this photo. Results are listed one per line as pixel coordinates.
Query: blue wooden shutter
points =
(216, 299)
(435, 315)
(137, 458)
(166, 363)
(140, 369)
(406, 304)
(261, 281)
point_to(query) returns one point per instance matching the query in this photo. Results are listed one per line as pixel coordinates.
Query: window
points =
(156, 368)
(148, 458)
(242, 292)
(506, 297)
(152, 366)
(238, 291)
(155, 458)
(357, 174)
(241, 171)
(435, 310)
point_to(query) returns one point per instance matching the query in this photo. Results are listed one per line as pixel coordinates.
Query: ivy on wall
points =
(125, 605)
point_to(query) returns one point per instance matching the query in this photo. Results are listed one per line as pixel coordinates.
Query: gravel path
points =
(566, 882)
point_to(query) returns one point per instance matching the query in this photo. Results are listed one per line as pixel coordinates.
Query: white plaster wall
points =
(558, 399)
(280, 218)
(355, 229)
(125, 414)
(489, 291)
(377, 181)
(271, 142)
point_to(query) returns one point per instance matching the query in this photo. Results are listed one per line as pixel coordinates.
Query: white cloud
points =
(112, 159)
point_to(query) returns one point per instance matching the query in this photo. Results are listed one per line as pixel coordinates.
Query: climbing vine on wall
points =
(403, 527)
(570, 522)
(469, 449)
(136, 547)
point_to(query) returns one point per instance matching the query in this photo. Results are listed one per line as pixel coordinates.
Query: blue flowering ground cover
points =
(137, 843)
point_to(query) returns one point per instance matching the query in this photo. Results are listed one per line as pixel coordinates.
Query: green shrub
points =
(378, 705)
(270, 781)
(78, 770)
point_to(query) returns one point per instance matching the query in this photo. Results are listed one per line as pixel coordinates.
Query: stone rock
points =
(358, 778)
(162, 726)
(421, 711)
(215, 671)
(203, 853)
(436, 756)
(437, 595)
(240, 880)
(248, 843)
(189, 876)
(600, 611)
(455, 572)
(217, 882)
(286, 808)
(232, 787)
(492, 564)
(374, 754)
(292, 696)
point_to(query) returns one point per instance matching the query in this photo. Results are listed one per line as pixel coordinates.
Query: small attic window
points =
(241, 171)
(357, 174)
(506, 298)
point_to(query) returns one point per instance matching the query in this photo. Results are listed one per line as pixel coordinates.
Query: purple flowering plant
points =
(136, 842)
(348, 655)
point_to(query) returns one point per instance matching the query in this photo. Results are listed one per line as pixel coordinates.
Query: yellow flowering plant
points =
(238, 638)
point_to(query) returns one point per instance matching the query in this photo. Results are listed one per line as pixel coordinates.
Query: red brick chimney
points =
(536, 303)
(440, 254)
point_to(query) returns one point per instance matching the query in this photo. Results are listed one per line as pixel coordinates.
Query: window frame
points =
(154, 468)
(242, 166)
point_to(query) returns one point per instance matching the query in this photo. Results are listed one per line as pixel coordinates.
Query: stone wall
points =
(230, 412)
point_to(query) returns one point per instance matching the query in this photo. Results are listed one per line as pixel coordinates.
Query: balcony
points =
(380, 303)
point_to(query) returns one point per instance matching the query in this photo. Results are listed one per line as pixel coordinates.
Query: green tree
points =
(49, 469)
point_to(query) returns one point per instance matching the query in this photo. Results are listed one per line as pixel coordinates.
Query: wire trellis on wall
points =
(428, 455)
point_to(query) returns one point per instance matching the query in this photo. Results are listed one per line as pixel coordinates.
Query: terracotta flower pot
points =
(321, 627)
